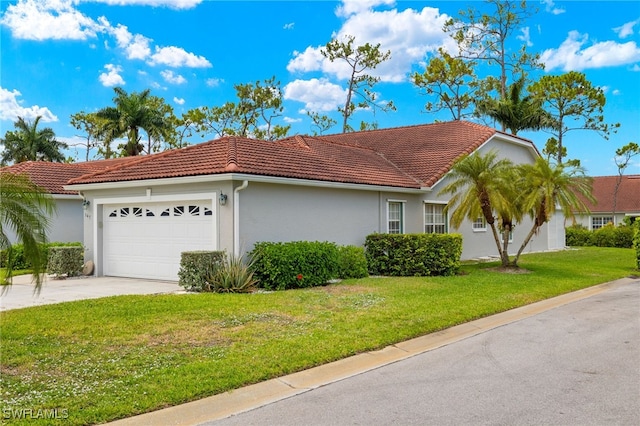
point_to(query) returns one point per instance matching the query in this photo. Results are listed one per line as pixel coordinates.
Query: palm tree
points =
(25, 209)
(28, 143)
(131, 113)
(480, 187)
(545, 187)
(517, 113)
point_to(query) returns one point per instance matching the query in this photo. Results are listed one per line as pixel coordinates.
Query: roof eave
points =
(241, 176)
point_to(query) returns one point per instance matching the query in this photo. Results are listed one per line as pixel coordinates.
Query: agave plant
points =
(234, 275)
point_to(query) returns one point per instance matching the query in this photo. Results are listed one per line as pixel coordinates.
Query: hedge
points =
(65, 261)
(196, 266)
(20, 262)
(297, 264)
(413, 254)
(607, 236)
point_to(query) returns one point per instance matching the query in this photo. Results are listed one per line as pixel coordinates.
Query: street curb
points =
(254, 396)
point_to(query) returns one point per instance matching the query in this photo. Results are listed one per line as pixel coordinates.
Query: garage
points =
(144, 240)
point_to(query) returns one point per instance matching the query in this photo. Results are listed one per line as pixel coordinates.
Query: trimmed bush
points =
(196, 266)
(352, 262)
(578, 236)
(20, 262)
(607, 236)
(413, 254)
(298, 264)
(65, 261)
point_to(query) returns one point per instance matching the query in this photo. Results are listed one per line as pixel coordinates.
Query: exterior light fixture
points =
(85, 204)
(222, 199)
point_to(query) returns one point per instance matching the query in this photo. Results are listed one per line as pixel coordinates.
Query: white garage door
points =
(144, 240)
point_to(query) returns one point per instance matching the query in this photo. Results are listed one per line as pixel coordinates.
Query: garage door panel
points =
(146, 240)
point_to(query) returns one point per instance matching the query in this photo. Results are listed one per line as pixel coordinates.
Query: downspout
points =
(236, 217)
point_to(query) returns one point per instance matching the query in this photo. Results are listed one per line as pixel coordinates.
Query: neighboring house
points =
(67, 225)
(229, 193)
(627, 201)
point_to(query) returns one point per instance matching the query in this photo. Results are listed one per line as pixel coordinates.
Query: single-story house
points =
(229, 193)
(67, 225)
(609, 206)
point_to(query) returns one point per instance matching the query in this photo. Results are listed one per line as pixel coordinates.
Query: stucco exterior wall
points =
(66, 225)
(282, 213)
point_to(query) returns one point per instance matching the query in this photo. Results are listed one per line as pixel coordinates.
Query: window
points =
(598, 222)
(435, 221)
(480, 224)
(510, 236)
(395, 214)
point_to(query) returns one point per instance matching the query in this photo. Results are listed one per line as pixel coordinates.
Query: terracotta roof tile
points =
(424, 151)
(409, 157)
(53, 176)
(628, 199)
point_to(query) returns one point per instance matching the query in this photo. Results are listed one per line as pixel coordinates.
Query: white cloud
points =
(353, 7)
(317, 94)
(525, 37)
(214, 82)
(173, 4)
(408, 34)
(288, 26)
(10, 108)
(291, 120)
(112, 77)
(177, 57)
(172, 78)
(179, 101)
(49, 19)
(626, 30)
(571, 57)
(135, 46)
(550, 7)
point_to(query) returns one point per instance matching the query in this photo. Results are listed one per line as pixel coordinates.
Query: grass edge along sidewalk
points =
(112, 358)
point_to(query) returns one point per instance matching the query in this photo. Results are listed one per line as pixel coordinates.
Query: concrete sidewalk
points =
(21, 295)
(251, 397)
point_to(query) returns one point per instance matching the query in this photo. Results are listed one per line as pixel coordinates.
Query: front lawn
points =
(103, 359)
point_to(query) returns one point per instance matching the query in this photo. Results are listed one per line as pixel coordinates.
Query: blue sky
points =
(59, 57)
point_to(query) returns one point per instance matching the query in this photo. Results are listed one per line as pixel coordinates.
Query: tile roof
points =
(426, 152)
(53, 176)
(628, 199)
(408, 157)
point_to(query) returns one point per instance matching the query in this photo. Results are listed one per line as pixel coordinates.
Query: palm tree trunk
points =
(534, 229)
(504, 256)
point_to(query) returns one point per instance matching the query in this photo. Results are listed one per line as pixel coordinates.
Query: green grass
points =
(104, 359)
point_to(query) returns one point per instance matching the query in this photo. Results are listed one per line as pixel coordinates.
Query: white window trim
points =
(447, 225)
(402, 218)
(600, 216)
(484, 223)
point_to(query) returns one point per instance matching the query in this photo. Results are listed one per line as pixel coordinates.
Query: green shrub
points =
(65, 261)
(232, 276)
(413, 254)
(578, 236)
(298, 264)
(196, 266)
(636, 241)
(613, 236)
(20, 262)
(352, 262)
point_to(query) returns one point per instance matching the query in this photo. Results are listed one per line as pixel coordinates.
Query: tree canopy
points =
(28, 143)
(359, 60)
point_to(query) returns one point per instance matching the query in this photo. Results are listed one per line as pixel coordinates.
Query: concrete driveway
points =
(20, 294)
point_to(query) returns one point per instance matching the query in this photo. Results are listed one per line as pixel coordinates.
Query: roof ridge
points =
(410, 126)
(232, 154)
